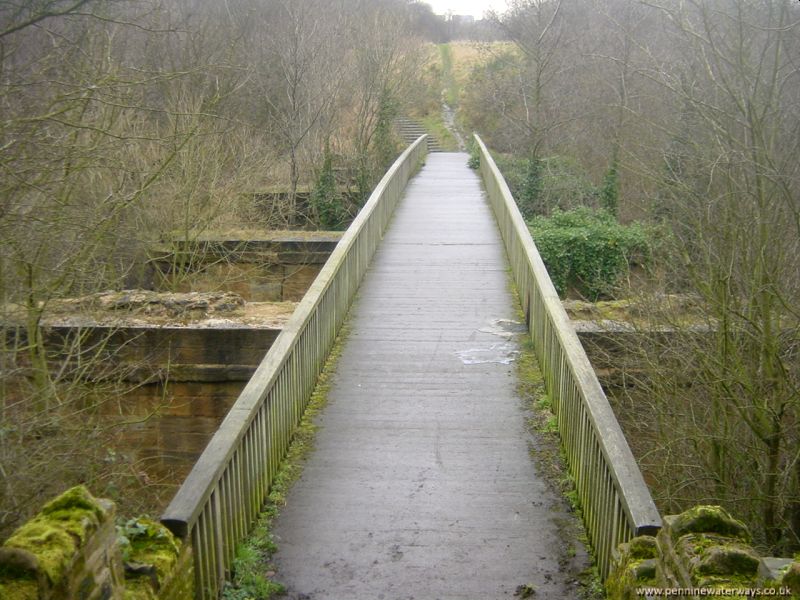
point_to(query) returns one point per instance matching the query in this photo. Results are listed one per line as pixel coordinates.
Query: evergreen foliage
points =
(609, 190)
(587, 250)
(474, 161)
(530, 197)
(326, 201)
(385, 142)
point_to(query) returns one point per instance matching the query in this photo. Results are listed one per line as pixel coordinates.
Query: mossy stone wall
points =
(702, 548)
(72, 549)
(68, 550)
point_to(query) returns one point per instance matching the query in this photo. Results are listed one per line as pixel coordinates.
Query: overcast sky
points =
(467, 7)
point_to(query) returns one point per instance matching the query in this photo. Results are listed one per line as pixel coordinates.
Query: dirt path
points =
(449, 118)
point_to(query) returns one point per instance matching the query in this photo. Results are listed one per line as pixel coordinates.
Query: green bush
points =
(587, 250)
(474, 161)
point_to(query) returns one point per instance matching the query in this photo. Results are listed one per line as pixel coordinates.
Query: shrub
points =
(587, 250)
(474, 161)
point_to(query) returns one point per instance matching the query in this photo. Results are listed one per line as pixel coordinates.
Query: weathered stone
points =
(19, 589)
(708, 519)
(635, 566)
(17, 561)
(165, 303)
(773, 569)
(726, 559)
(152, 558)
(68, 550)
(55, 535)
(71, 549)
(645, 571)
(791, 579)
(644, 546)
(703, 547)
(20, 576)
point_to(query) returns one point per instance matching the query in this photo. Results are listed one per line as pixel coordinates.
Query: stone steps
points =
(409, 130)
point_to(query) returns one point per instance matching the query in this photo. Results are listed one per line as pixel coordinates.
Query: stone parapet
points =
(73, 549)
(703, 552)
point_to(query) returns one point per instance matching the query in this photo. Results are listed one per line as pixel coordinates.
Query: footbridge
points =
(421, 484)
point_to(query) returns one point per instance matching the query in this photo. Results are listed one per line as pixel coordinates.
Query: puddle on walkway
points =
(504, 328)
(503, 353)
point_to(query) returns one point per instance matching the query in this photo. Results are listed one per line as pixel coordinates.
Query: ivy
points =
(587, 250)
(384, 141)
(530, 194)
(325, 198)
(609, 191)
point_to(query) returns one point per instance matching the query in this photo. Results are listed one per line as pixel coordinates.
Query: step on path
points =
(410, 130)
(421, 484)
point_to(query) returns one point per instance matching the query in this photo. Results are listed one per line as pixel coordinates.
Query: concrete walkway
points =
(421, 485)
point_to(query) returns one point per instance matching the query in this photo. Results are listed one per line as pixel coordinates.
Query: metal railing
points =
(222, 495)
(614, 498)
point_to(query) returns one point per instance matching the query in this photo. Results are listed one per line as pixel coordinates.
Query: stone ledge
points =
(72, 549)
(702, 548)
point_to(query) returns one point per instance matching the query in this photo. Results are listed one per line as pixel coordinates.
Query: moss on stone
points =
(139, 588)
(643, 547)
(631, 574)
(55, 535)
(732, 560)
(635, 567)
(19, 589)
(708, 519)
(791, 578)
(728, 584)
(16, 563)
(150, 544)
(77, 498)
(717, 561)
(53, 546)
(645, 571)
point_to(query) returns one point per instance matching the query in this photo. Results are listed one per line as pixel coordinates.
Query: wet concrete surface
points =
(421, 485)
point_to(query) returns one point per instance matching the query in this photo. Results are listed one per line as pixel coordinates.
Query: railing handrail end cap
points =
(650, 530)
(178, 527)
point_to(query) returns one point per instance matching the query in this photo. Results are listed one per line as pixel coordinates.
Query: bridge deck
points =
(421, 484)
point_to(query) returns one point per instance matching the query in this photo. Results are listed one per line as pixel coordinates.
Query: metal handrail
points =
(614, 498)
(220, 499)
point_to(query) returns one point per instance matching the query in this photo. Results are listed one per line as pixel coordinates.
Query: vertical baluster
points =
(199, 551)
(246, 473)
(218, 542)
(228, 534)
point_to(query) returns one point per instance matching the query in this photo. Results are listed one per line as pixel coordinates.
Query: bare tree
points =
(298, 74)
(730, 185)
(384, 58)
(109, 124)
